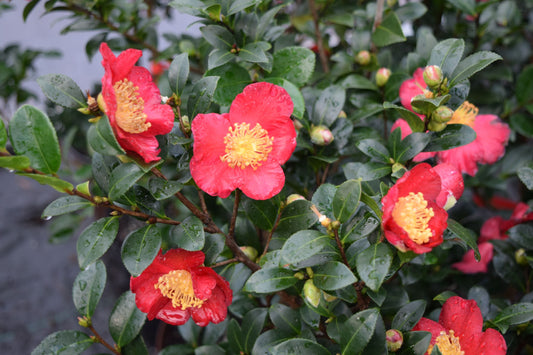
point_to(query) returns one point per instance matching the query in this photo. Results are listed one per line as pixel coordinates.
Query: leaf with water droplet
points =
(189, 235)
(88, 288)
(407, 316)
(64, 342)
(126, 320)
(373, 264)
(95, 240)
(270, 280)
(140, 248)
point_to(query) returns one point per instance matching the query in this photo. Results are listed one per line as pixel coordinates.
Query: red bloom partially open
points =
(414, 217)
(133, 104)
(460, 328)
(176, 287)
(246, 147)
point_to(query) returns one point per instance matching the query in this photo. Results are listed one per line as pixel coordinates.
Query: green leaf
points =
(3, 135)
(266, 341)
(299, 346)
(453, 136)
(239, 5)
(178, 73)
(415, 343)
(466, 6)
(323, 198)
(123, 177)
(140, 249)
(208, 350)
(429, 105)
(201, 95)
(254, 52)
(358, 227)
(95, 240)
(465, 235)
(374, 149)
(285, 318)
(233, 79)
(218, 57)
(125, 321)
(136, 347)
(524, 85)
(262, 213)
(328, 106)
(517, 313)
(270, 280)
(189, 235)
(56, 183)
(252, 324)
(522, 234)
(32, 135)
(63, 342)
(294, 93)
(471, 65)
(408, 315)
(295, 217)
(356, 81)
(64, 205)
(373, 264)
(296, 64)
(411, 11)
(366, 171)
(15, 162)
(522, 123)
(416, 124)
(62, 90)
(218, 36)
(235, 337)
(447, 54)
(162, 189)
(214, 245)
(388, 32)
(102, 139)
(28, 8)
(332, 276)
(346, 200)
(410, 146)
(356, 331)
(303, 245)
(88, 288)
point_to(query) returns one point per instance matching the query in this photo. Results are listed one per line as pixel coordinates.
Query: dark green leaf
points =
(102, 139)
(300, 346)
(123, 178)
(415, 343)
(514, 314)
(33, 136)
(522, 123)
(388, 32)
(356, 81)
(189, 235)
(239, 5)
(262, 213)
(296, 64)
(28, 8)
(15, 162)
(411, 11)
(178, 73)
(410, 146)
(178, 349)
(254, 52)
(416, 124)
(408, 315)
(524, 85)
(252, 324)
(208, 350)
(95, 240)
(62, 90)
(218, 36)
(162, 189)
(140, 249)
(373, 264)
(447, 54)
(453, 136)
(64, 205)
(266, 341)
(234, 336)
(88, 288)
(328, 106)
(270, 280)
(522, 234)
(323, 198)
(219, 57)
(214, 244)
(136, 347)
(525, 174)
(466, 6)
(303, 245)
(355, 333)
(429, 105)
(472, 64)
(466, 235)
(201, 95)
(296, 216)
(374, 149)
(332, 276)
(358, 227)
(366, 171)
(63, 342)
(56, 183)
(125, 321)
(233, 79)
(285, 318)
(3, 136)
(346, 200)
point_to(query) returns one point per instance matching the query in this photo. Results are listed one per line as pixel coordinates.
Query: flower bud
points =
(311, 293)
(394, 340)
(436, 126)
(328, 297)
(299, 275)
(342, 114)
(250, 252)
(391, 3)
(520, 257)
(186, 124)
(433, 76)
(442, 114)
(321, 135)
(101, 102)
(362, 57)
(294, 197)
(84, 321)
(382, 76)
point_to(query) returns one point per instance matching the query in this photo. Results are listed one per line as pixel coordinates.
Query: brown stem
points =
(325, 174)
(101, 340)
(225, 262)
(202, 201)
(341, 248)
(319, 43)
(234, 213)
(271, 233)
(379, 14)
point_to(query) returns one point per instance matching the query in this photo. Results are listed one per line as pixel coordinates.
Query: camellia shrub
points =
(303, 177)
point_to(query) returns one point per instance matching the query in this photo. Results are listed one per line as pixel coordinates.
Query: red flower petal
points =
(412, 87)
(492, 136)
(428, 325)
(263, 183)
(213, 310)
(452, 183)
(411, 182)
(463, 316)
(469, 264)
(490, 342)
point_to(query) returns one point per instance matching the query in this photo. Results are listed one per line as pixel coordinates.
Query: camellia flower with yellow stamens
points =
(414, 217)
(246, 147)
(175, 287)
(460, 330)
(132, 102)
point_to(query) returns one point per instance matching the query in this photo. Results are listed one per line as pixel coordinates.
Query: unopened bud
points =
(342, 114)
(382, 76)
(84, 321)
(520, 257)
(101, 103)
(311, 293)
(394, 340)
(294, 197)
(396, 167)
(321, 135)
(362, 58)
(391, 3)
(299, 275)
(436, 126)
(186, 124)
(433, 76)
(324, 221)
(250, 252)
(298, 125)
(442, 114)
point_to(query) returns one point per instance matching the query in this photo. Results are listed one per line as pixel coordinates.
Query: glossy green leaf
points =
(525, 174)
(366, 171)
(136, 347)
(32, 135)
(408, 315)
(240, 5)
(267, 340)
(95, 240)
(429, 105)
(254, 52)
(125, 321)
(517, 313)
(411, 11)
(213, 246)
(88, 288)
(208, 350)
(356, 81)
(323, 198)
(123, 177)
(58, 184)
(189, 235)
(472, 64)
(218, 36)
(303, 245)
(346, 200)
(62, 90)
(373, 264)
(235, 341)
(410, 146)
(3, 135)
(295, 217)
(63, 342)
(465, 235)
(374, 149)
(453, 136)
(522, 234)
(415, 343)
(300, 346)
(201, 96)
(447, 54)
(416, 124)
(15, 162)
(356, 331)
(262, 213)
(252, 324)
(524, 85)
(218, 57)
(389, 31)
(296, 64)
(178, 73)
(233, 79)
(270, 280)
(361, 225)
(522, 123)
(328, 106)
(65, 204)
(102, 139)
(332, 276)
(285, 318)
(466, 6)
(140, 248)
(162, 189)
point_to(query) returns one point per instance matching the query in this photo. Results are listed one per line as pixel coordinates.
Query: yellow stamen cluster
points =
(465, 114)
(130, 114)
(411, 214)
(177, 285)
(448, 344)
(246, 147)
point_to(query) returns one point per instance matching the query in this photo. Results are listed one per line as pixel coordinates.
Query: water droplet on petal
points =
(47, 218)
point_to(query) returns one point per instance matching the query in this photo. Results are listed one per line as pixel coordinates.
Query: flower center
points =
(448, 344)
(130, 114)
(465, 114)
(177, 285)
(411, 214)
(246, 147)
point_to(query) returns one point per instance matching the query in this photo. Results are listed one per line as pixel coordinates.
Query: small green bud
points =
(311, 293)
(321, 135)
(294, 197)
(84, 321)
(442, 114)
(436, 126)
(520, 257)
(382, 76)
(299, 275)
(342, 114)
(362, 57)
(391, 3)
(250, 252)
(394, 340)
(186, 123)
(433, 76)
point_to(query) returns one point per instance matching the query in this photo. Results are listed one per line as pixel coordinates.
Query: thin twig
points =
(319, 43)
(225, 262)
(271, 233)
(234, 213)
(101, 340)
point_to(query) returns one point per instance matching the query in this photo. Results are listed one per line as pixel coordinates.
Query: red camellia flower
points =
(176, 287)
(132, 102)
(414, 87)
(414, 217)
(460, 330)
(245, 148)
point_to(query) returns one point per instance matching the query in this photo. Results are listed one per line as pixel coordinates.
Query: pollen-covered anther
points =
(448, 344)
(177, 285)
(246, 147)
(130, 114)
(412, 214)
(465, 114)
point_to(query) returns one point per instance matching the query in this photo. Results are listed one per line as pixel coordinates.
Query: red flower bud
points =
(382, 76)
(433, 76)
(394, 340)
(362, 57)
(321, 135)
